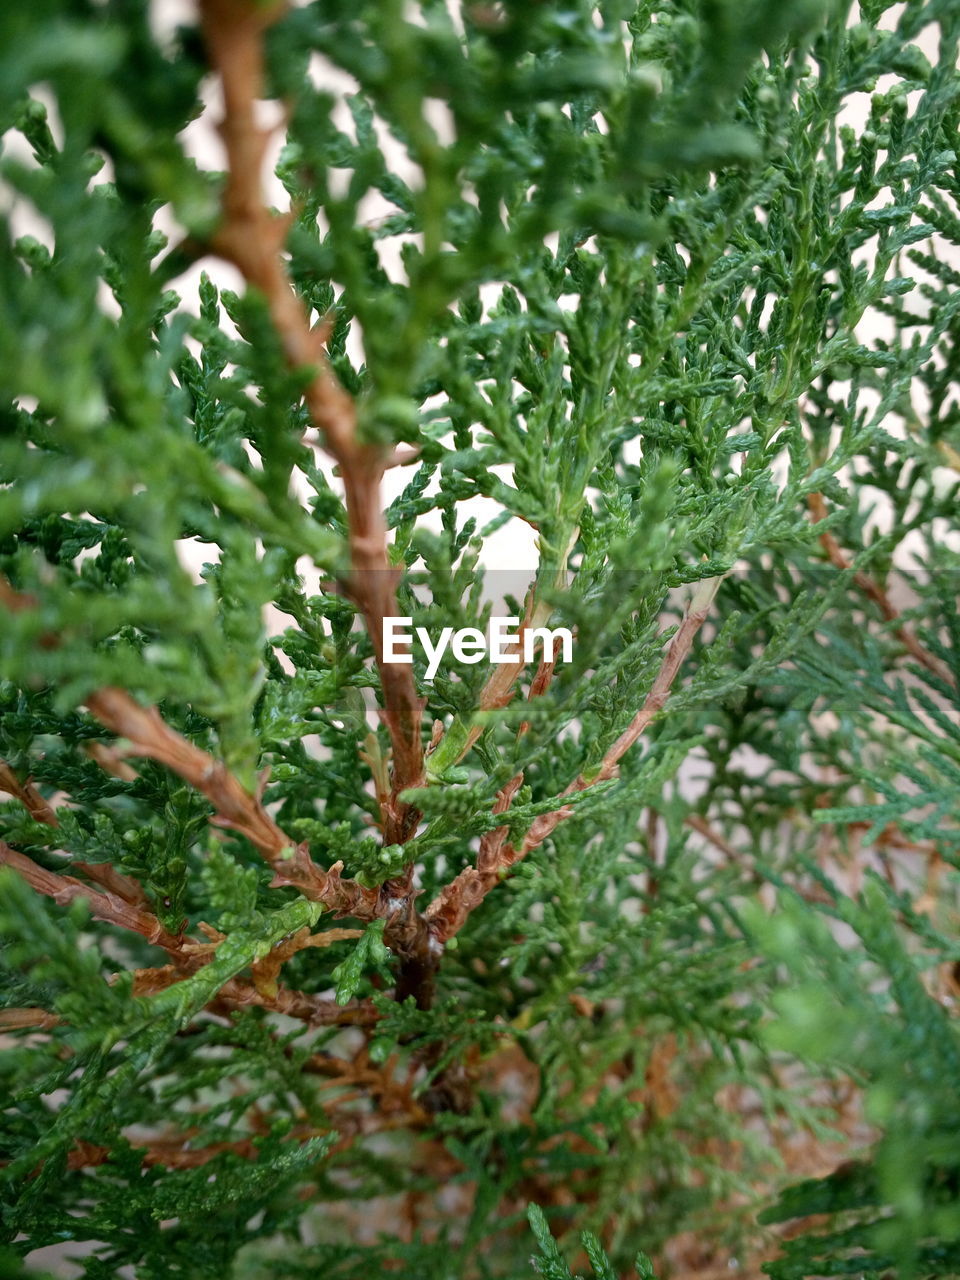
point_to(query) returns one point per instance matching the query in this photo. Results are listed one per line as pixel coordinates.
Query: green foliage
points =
(639, 286)
(552, 1266)
(869, 1014)
(368, 953)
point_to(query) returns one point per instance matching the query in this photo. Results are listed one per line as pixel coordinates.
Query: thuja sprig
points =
(286, 923)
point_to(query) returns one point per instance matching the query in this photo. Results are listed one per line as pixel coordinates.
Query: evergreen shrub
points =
(639, 959)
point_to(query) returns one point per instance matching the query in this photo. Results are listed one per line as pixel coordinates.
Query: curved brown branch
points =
(100, 873)
(27, 794)
(449, 911)
(187, 955)
(107, 907)
(149, 735)
(873, 591)
(252, 238)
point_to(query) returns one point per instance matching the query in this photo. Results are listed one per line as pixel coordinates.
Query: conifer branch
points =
(188, 955)
(252, 238)
(108, 907)
(450, 909)
(149, 735)
(873, 591)
(693, 619)
(614, 255)
(27, 794)
(101, 873)
(236, 994)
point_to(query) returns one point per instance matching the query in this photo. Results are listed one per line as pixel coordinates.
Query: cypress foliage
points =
(317, 963)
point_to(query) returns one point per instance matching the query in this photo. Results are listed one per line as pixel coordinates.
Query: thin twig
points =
(734, 858)
(149, 735)
(266, 971)
(693, 619)
(698, 823)
(27, 794)
(188, 955)
(237, 994)
(28, 1019)
(873, 591)
(99, 872)
(107, 907)
(450, 909)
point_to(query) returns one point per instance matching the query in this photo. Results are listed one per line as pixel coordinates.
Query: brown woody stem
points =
(873, 591)
(27, 794)
(149, 735)
(252, 237)
(107, 907)
(188, 955)
(449, 911)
